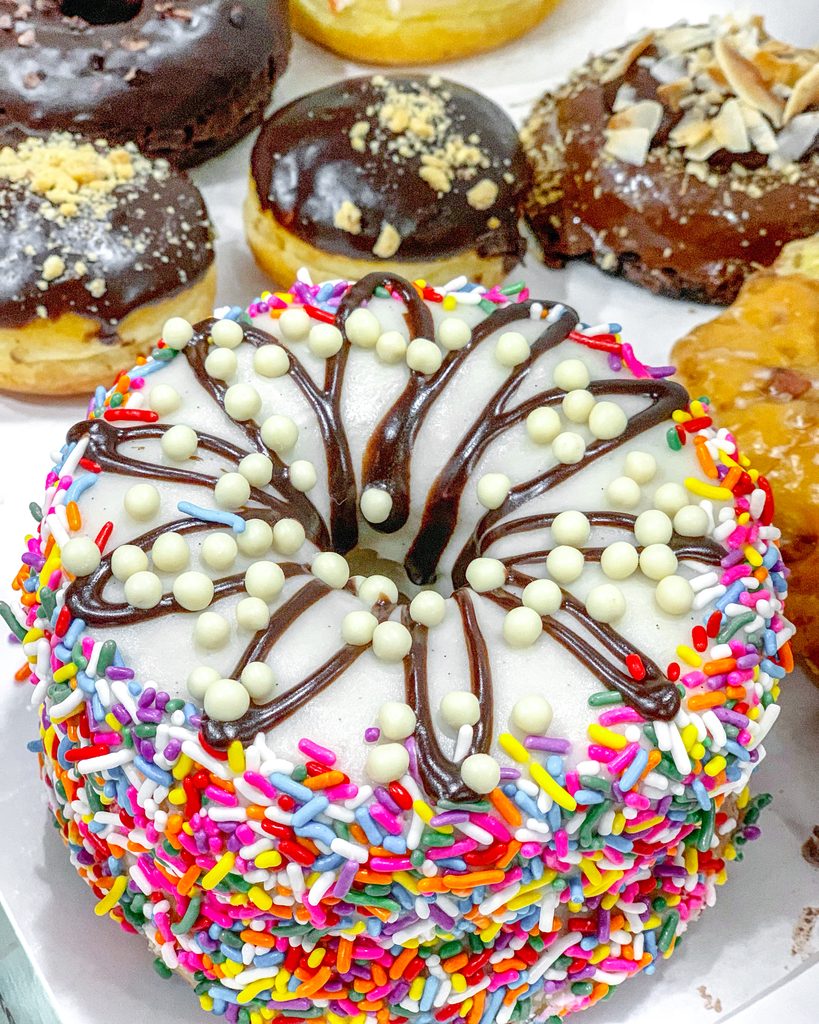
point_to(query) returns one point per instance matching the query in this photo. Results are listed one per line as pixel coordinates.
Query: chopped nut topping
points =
(53, 267)
(482, 195)
(784, 381)
(387, 242)
(348, 218)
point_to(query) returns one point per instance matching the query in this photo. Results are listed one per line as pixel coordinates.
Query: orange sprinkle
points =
(476, 1012)
(786, 656)
(363, 985)
(357, 832)
(505, 808)
(600, 989)
(372, 877)
(344, 956)
(185, 883)
(431, 885)
(72, 514)
(258, 938)
(702, 701)
(760, 574)
(323, 781)
(731, 478)
(736, 692)
(510, 854)
(23, 672)
(322, 975)
(472, 879)
(719, 666)
(513, 993)
(123, 384)
(654, 758)
(455, 963)
(379, 975)
(705, 460)
(400, 962)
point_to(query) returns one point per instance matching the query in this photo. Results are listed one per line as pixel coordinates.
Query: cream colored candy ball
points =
(221, 364)
(640, 466)
(460, 707)
(257, 469)
(170, 552)
(623, 492)
(454, 333)
(577, 405)
(376, 587)
(521, 627)
(302, 475)
(126, 560)
(670, 498)
(357, 628)
(674, 595)
(271, 361)
(219, 550)
(80, 556)
(391, 348)
(200, 679)
(362, 328)
(542, 596)
(396, 720)
(512, 349)
(691, 521)
(658, 561)
(324, 340)
(392, 641)
(280, 434)
(295, 323)
(428, 608)
(331, 569)
(177, 332)
(607, 420)
(256, 538)
(193, 590)
(242, 402)
(568, 448)
(179, 442)
(264, 580)
(252, 614)
(226, 700)
(227, 334)
(493, 489)
(143, 590)
(571, 527)
(565, 563)
(571, 374)
(619, 560)
(231, 491)
(288, 536)
(653, 527)
(376, 505)
(480, 772)
(387, 762)
(164, 399)
(212, 631)
(532, 715)
(483, 574)
(424, 356)
(142, 502)
(605, 603)
(258, 679)
(543, 424)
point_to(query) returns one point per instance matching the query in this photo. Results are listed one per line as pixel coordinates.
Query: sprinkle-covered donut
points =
(402, 654)
(183, 79)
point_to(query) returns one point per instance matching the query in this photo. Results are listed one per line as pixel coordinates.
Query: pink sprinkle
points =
(600, 753)
(743, 737)
(632, 799)
(613, 855)
(379, 813)
(346, 791)
(692, 679)
(512, 876)
(572, 782)
(619, 763)
(492, 825)
(733, 574)
(137, 383)
(245, 834)
(617, 963)
(615, 716)
(456, 850)
(561, 843)
(55, 579)
(260, 782)
(386, 865)
(637, 368)
(318, 753)
(529, 850)
(164, 926)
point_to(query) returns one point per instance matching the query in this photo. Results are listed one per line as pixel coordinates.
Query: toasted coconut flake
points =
(672, 92)
(703, 150)
(759, 131)
(630, 145)
(805, 94)
(627, 58)
(686, 37)
(645, 114)
(798, 135)
(747, 82)
(691, 131)
(728, 128)
(626, 97)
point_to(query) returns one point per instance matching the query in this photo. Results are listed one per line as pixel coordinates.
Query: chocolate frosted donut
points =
(682, 161)
(182, 79)
(415, 175)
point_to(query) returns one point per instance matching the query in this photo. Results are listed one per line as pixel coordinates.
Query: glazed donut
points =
(183, 80)
(415, 31)
(526, 738)
(682, 161)
(414, 175)
(99, 246)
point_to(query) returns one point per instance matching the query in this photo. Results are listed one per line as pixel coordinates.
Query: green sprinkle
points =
(116, 400)
(449, 949)
(734, 625)
(562, 963)
(363, 900)
(106, 659)
(187, 921)
(377, 890)
(299, 773)
(381, 292)
(673, 439)
(10, 619)
(417, 858)
(429, 837)
(203, 987)
(47, 601)
(706, 830)
(668, 930)
(487, 306)
(604, 698)
(475, 943)
(174, 705)
(595, 782)
(513, 289)
(60, 789)
(163, 355)
(582, 988)
(231, 939)
(659, 904)
(36, 512)
(145, 730)
(477, 806)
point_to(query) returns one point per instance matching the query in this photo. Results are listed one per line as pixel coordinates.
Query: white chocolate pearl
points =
(484, 574)
(142, 502)
(565, 563)
(480, 772)
(577, 405)
(640, 466)
(653, 527)
(376, 504)
(670, 498)
(288, 536)
(387, 762)
(226, 700)
(164, 399)
(605, 603)
(200, 679)
(392, 641)
(242, 402)
(80, 556)
(295, 324)
(143, 590)
(179, 442)
(177, 332)
(256, 538)
(493, 489)
(607, 420)
(271, 361)
(280, 434)
(428, 608)
(396, 720)
(674, 595)
(532, 714)
(324, 340)
(391, 347)
(302, 475)
(454, 333)
(219, 550)
(257, 469)
(193, 590)
(424, 356)
(258, 679)
(512, 349)
(357, 628)
(658, 561)
(331, 569)
(170, 552)
(568, 447)
(126, 560)
(571, 374)
(373, 588)
(542, 596)
(212, 631)
(227, 334)
(264, 580)
(252, 614)
(460, 707)
(691, 521)
(521, 627)
(619, 560)
(571, 528)
(221, 363)
(362, 328)
(623, 492)
(543, 424)
(231, 491)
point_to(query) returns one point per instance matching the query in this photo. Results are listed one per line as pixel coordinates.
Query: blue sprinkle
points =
(153, 772)
(315, 830)
(703, 799)
(621, 844)
(554, 817)
(215, 932)
(631, 775)
(456, 863)
(589, 796)
(310, 810)
(63, 652)
(733, 772)
(395, 844)
(80, 486)
(739, 752)
(526, 803)
(272, 959)
(576, 889)
(588, 942)
(232, 954)
(289, 786)
(86, 683)
(99, 395)
(400, 895)
(143, 371)
(371, 830)
(35, 746)
(773, 670)
(329, 862)
(62, 750)
(374, 927)
(73, 633)
(212, 515)
(771, 556)
(31, 584)
(430, 988)
(769, 642)
(493, 1004)
(730, 596)
(97, 709)
(554, 766)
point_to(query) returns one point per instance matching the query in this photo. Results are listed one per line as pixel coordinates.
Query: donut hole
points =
(101, 12)
(367, 562)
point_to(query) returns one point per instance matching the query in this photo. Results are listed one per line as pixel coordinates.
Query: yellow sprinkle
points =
(574, 907)
(745, 462)
(600, 953)
(672, 901)
(467, 1004)
(609, 900)
(206, 1002)
(689, 656)
(708, 490)
(66, 672)
(32, 635)
(751, 554)
(488, 934)
(523, 900)
(653, 922)
(221, 868)
(417, 989)
(609, 879)
(618, 824)
(776, 689)
(423, 810)
(697, 409)
(112, 722)
(405, 878)
(449, 303)
(643, 825)
(316, 957)
(721, 878)
(177, 796)
(268, 859)
(729, 853)
(282, 978)
(236, 757)
(689, 735)
(262, 899)
(111, 898)
(514, 748)
(546, 879)
(231, 969)
(698, 751)
(458, 982)
(590, 870)
(182, 767)
(681, 416)
(715, 766)
(560, 796)
(743, 518)
(607, 737)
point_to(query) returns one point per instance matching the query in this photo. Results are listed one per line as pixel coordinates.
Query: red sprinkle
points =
(220, 755)
(700, 638)
(768, 508)
(713, 624)
(584, 925)
(700, 423)
(603, 342)
(400, 795)
(194, 801)
(287, 803)
(91, 466)
(673, 671)
(104, 535)
(83, 753)
(295, 851)
(635, 666)
(320, 314)
(274, 828)
(135, 415)
(61, 625)
(432, 295)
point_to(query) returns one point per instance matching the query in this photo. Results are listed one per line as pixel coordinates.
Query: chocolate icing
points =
(305, 167)
(182, 79)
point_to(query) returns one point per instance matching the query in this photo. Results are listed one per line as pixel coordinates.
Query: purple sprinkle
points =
(554, 746)
(438, 915)
(731, 717)
(153, 715)
(752, 832)
(384, 797)
(161, 700)
(615, 362)
(371, 735)
(173, 750)
(116, 672)
(509, 774)
(449, 818)
(146, 697)
(732, 558)
(121, 714)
